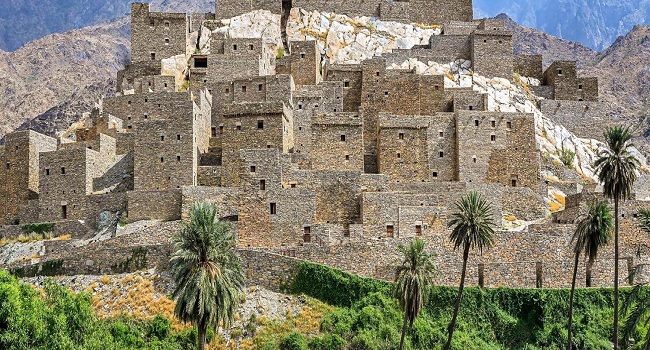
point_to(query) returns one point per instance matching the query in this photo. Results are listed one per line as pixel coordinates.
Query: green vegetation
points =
(137, 261)
(499, 318)
(413, 277)
(60, 319)
(280, 54)
(208, 273)
(592, 232)
(40, 228)
(617, 169)
(472, 228)
(567, 157)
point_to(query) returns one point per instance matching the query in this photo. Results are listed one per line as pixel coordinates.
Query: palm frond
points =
(472, 223)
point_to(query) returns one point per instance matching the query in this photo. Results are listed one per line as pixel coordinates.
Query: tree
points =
(207, 270)
(617, 170)
(592, 232)
(412, 278)
(473, 228)
(637, 304)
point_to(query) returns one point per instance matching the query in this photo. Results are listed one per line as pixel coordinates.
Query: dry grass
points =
(555, 206)
(509, 218)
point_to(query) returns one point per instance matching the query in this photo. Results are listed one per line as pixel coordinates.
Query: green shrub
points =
(327, 342)
(39, 228)
(159, 327)
(566, 157)
(294, 341)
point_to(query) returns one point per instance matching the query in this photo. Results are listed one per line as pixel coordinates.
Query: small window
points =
(441, 154)
(166, 41)
(434, 174)
(253, 168)
(234, 47)
(401, 136)
(260, 87)
(513, 182)
(377, 73)
(493, 138)
(347, 157)
(299, 105)
(64, 212)
(342, 138)
(474, 159)
(146, 116)
(385, 93)
(251, 47)
(418, 230)
(9, 166)
(493, 123)
(227, 91)
(214, 132)
(167, 24)
(220, 129)
(153, 56)
(260, 124)
(509, 125)
(390, 230)
(162, 137)
(162, 159)
(47, 171)
(62, 170)
(441, 134)
(262, 185)
(178, 158)
(243, 88)
(475, 122)
(579, 87)
(485, 40)
(436, 87)
(165, 84)
(178, 137)
(152, 22)
(471, 108)
(238, 127)
(302, 55)
(273, 208)
(559, 72)
(346, 84)
(200, 62)
(293, 185)
(399, 155)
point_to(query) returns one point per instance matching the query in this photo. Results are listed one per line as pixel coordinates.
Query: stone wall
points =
(154, 205)
(225, 199)
(156, 35)
(529, 66)
(492, 53)
(583, 119)
(563, 76)
(305, 62)
(337, 142)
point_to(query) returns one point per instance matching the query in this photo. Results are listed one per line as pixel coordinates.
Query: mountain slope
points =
(595, 23)
(22, 21)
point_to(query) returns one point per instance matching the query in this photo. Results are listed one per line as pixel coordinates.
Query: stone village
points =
(311, 157)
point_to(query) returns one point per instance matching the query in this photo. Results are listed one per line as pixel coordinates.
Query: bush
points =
(159, 327)
(294, 341)
(567, 156)
(327, 342)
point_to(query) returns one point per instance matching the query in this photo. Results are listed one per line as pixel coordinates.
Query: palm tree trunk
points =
(573, 288)
(202, 331)
(452, 325)
(615, 273)
(401, 342)
(590, 265)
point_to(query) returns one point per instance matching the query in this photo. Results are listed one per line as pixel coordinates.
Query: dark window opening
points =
(47, 171)
(347, 157)
(436, 87)
(418, 230)
(178, 158)
(238, 127)
(260, 124)
(227, 91)
(166, 40)
(162, 138)
(306, 237)
(178, 137)
(262, 185)
(64, 212)
(162, 160)
(273, 208)
(293, 185)
(243, 88)
(390, 230)
(513, 182)
(441, 134)
(220, 129)
(559, 72)
(346, 84)
(62, 170)
(251, 47)
(260, 87)
(200, 62)
(234, 47)
(435, 174)
(399, 155)
(153, 56)
(474, 159)
(441, 154)
(579, 87)
(401, 136)
(476, 122)
(343, 138)
(493, 138)
(494, 123)
(302, 55)
(253, 168)
(509, 125)
(471, 108)
(214, 132)
(9, 166)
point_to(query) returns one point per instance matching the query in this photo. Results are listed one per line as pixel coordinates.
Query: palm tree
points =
(473, 228)
(412, 278)
(592, 232)
(207, 270)
(637, 304)
(617, 171)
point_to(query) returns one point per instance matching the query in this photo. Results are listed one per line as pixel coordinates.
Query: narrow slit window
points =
(262, 185)
(273, 208)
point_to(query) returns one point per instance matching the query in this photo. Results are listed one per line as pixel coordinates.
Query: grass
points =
(33, 237)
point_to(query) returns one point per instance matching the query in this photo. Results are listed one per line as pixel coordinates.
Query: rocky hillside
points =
(22, 21)
(595, 23)
(70, 70)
